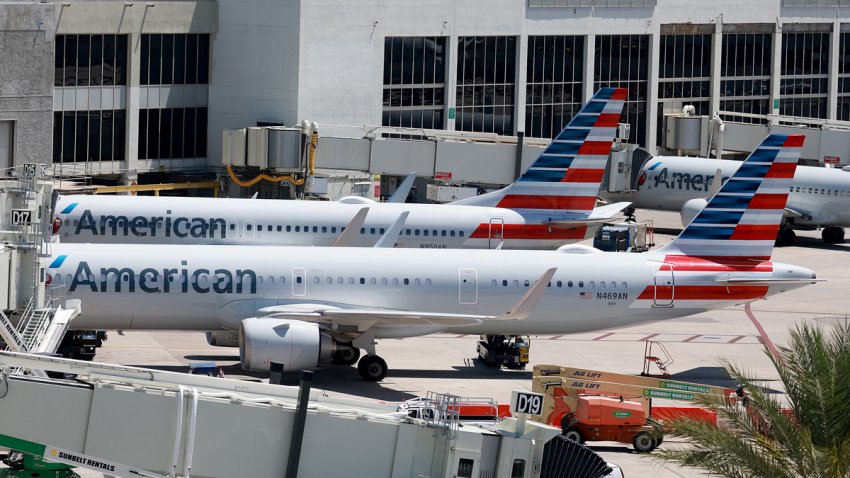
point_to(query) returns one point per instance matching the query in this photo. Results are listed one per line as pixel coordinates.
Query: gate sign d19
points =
(526, 402)
(21, 217)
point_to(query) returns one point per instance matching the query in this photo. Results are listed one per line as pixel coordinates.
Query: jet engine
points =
(223, 338)
(691, 208)
(297, 345)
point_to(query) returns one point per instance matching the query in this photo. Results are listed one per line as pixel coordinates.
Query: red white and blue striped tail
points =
(742, 220)
(564, 180)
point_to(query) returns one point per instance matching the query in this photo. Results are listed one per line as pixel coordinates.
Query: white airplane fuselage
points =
(165, 220)
(822, 195)
(216, 287)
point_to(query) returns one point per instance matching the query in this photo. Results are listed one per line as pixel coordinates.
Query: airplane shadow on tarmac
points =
(817, 243)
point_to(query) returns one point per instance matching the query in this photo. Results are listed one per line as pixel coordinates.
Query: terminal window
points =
(86, 136)
(684, 75)
(623, 61)
(486, 80)
(804, 79)
(90, 60)
(175, 59)
(844, 77)
(172, 133)
(414, 82)
(745, 71)
(554, 73)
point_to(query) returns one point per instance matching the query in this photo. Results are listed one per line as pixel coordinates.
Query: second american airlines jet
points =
(552, 203)
(305, 306)
(820, 197)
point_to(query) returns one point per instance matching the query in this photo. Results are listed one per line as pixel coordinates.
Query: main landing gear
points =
(370, 367)
(786, 237)
(833, 235)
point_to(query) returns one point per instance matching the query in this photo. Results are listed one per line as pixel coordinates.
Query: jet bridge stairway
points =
(40, 330)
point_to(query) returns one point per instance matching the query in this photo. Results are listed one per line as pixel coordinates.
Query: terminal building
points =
(129, 90)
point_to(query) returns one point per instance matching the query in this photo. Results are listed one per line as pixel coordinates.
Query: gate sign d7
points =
(527, 402)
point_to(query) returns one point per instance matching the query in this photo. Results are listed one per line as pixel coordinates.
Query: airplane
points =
(304, 307)
(551, 204)
(820, 197)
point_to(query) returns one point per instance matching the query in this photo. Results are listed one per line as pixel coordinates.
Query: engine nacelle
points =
(691, 208)
(297, 345)
(223, 338)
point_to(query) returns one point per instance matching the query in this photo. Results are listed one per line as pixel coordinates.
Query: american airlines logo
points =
(686, 181)
(143, 226)
(154, 281)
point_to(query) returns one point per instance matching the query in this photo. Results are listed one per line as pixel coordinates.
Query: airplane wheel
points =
(372, 368)
(643, 442)
(347, 356)
(833, 235)
(786, 237)
(574, 435)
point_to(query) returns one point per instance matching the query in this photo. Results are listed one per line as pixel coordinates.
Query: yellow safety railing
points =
(156, 188)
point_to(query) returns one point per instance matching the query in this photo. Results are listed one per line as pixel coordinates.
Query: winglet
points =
(389, 237)
(403, 189)
(523, 309)
(742, 219)
(348, 236)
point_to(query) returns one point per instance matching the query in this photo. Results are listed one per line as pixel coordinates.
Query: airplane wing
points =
(368, 317)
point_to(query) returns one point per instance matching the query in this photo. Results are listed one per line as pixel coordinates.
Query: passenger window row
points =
(567, 284)
(821, 191)
(373, 280)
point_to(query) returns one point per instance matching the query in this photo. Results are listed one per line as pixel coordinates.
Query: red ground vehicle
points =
(599, 418)
(595, 405)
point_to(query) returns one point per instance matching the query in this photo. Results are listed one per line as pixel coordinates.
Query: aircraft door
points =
(248, 228)
(664, 286)
(467, 286)
(496, 232)
(299, 281)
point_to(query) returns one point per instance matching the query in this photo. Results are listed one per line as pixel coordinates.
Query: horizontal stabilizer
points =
(767, 280)
(607, 211)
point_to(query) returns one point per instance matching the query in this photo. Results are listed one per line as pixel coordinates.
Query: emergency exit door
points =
(467, 286)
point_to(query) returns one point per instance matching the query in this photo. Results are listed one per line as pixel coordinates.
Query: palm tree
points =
(756, 438)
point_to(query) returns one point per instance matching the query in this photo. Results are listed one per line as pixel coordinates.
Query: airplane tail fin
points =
(565, 178)
(742, 219)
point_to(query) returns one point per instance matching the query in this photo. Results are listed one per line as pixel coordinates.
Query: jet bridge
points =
(128, 421)
(33, 314)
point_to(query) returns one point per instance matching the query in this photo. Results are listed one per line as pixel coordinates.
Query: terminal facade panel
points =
(140, 87)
